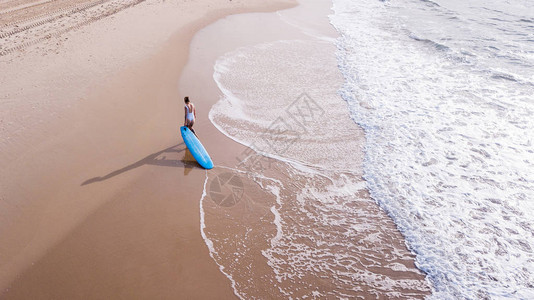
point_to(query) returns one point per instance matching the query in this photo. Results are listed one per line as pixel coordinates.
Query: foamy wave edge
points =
(209, 243)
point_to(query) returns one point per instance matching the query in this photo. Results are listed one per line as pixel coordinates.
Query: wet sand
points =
(98, 197)
(268, 245)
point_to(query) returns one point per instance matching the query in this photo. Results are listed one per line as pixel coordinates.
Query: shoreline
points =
(53, 253)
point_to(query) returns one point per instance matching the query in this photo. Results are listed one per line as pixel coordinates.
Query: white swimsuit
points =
(189, 116)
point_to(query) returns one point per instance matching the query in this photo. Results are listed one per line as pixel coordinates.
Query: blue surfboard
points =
(195, 147)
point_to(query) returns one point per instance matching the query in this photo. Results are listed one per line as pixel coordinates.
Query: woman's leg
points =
(190, 125)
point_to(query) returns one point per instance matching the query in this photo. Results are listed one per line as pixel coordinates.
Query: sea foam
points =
(449, 141)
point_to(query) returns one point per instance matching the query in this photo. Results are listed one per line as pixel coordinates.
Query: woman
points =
(190, 114)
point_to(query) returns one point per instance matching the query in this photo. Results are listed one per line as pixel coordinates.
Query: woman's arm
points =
(185, 115)
(194, 111)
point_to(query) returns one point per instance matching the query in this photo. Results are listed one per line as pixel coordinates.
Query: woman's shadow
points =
(156, 159)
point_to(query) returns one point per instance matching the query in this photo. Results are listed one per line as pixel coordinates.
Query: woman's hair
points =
(186, 99)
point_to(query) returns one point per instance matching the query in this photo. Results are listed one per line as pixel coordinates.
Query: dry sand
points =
(98, 198)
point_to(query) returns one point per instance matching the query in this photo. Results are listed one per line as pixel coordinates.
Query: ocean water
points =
(444, 93)
(444, 90)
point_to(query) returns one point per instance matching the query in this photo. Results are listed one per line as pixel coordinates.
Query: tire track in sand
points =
(31, 31)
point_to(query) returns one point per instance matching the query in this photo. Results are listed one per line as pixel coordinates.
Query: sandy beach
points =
(99, 197)
(80, 108)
